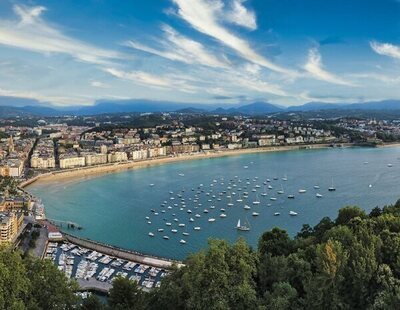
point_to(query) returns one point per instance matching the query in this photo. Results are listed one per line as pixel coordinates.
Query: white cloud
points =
(241, 16)
(98, 84)
(32, 33)
(203, 16)
(57, 100)
(139, 77)
(183, 49)
(315, 68)
(386, 49)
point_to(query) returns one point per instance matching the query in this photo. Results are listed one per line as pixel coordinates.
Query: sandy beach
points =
(82, 173)
(92, 171)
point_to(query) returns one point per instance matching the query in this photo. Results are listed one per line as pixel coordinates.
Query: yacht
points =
(174, 231)
(151, 234)
(244, 227)
(281, 191)
(331, 188)
(318, 195)
(181, 225)
(316, 186)
(160, 229)
(191, 219)
(196, 228)
(292, 213)
(165, 237)
(255, 214)
(277, 214)
(185, 233)
(257, 201)
(182, 241)
(223, 215)
(302, 191)
(290, 196)
(211, 220)
(389, 165)
(246, 207)
(272, 199)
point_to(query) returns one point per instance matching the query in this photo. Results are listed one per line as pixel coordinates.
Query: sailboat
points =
(331, 188)
(284, 178)
(244, 227)
(257, 201)
(281, 191)
(265, 192)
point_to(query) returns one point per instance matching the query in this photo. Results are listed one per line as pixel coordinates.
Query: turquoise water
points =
(113, 208)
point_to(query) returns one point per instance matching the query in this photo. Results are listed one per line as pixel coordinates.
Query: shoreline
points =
(98, 170)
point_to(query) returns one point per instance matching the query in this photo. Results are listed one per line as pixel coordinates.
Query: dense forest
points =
(352, 262)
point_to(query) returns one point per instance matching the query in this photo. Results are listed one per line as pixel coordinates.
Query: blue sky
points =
(282, 51)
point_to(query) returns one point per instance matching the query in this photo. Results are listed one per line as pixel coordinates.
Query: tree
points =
(275, 242)
(348, 213)
(125, 294)
(92, 303)
(282, 297)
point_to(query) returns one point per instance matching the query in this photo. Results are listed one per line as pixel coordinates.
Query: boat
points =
(205, 211)
(181, 225)
(316, 186)
(211, 220)
(255, 214)
(147, 218)
(292, 213)
(165, 237)
(257, 201)
(365, 163)
(331, 188)
(281, 191)
(277, 214)
(182, 241)
(245, 167)
(244, 227)
(272, 199)
(160, 229)
(302, 191)
(290, 196)
(223, 215)
(185, 233)
(191, 219)
(370, 185)
(168, 224)
(389, 165)
(181, 174)
(174, 231)
(318, 195)
(196, 228)
(197, 215)
(246, 207)
(151, 234)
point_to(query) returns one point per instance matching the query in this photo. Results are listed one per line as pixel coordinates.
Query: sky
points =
(286, 52)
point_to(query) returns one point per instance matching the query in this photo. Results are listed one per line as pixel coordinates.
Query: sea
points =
(122, 208)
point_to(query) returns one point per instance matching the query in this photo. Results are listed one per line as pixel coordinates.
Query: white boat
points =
(292, 213)
(284, 178)
(223, 215)
(160, 229)
(211, 220)
(168, 224)
(257, 201)
(272, 199)
(181, 174)
(290, 196)
(302, 191)
(270, 187)
(244, 227)
(277, 214)
(316, 186)
(281, 191)
(331, 188)
(181, 225)
(318, 195)
(246, 207)
(196, 228)
(370, 185)
(255, 214)
(191, 219)
(165, 237)
(205, 211)
(151, 234)
(185, 233)
(174, 231)
(365, 163)
(197, 215)
(182, 241)
(389, 165)
(189, 211)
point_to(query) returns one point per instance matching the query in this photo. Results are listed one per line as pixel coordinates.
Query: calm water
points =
(112, 208)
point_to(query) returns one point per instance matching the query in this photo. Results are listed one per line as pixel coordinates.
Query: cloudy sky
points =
(286, 52)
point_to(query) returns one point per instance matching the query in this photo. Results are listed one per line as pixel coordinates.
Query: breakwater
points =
(114, 251)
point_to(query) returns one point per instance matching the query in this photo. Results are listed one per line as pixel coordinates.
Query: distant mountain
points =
(33, 108)
(255, 108)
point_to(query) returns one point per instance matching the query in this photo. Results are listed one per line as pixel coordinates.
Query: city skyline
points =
(200, 51)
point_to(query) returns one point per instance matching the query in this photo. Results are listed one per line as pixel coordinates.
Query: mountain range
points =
(8, 109)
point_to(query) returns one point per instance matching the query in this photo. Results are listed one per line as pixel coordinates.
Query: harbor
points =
(95, 271)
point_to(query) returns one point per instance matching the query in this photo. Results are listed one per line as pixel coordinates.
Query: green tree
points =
(125, 294)
(275, 242)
